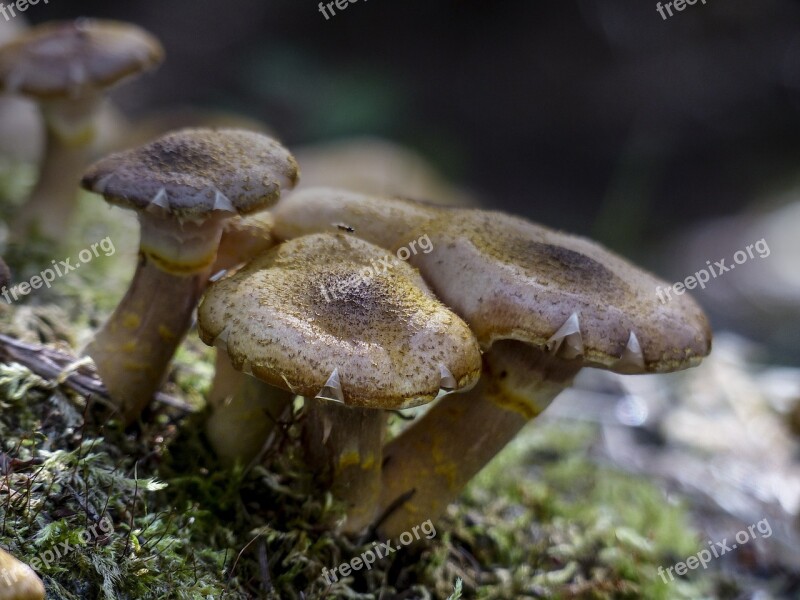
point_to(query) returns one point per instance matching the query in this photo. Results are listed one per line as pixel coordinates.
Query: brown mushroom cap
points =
(512, 279)
(383, 339)
(194, 172)
(18, 581)
(74, 59)
(384, 221)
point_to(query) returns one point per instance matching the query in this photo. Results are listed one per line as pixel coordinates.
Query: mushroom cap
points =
(194, 172)
(387, 222)
(306, 317)
(512, 279)
(74, 59)
(19, 581)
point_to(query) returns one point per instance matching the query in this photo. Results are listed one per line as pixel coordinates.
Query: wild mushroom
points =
(308, 317)
(183, 188)
(542, 304)
(244, 410)
(17, 580)
(66, 67)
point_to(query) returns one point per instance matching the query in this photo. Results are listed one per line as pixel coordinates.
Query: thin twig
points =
(63, 369)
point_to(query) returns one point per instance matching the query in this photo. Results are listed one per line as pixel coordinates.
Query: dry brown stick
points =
(53, 365)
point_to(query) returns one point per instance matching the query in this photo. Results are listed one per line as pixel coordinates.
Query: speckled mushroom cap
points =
(387, 222)
(77, 58)
(193, 172)
(511, 279)
(307, 317)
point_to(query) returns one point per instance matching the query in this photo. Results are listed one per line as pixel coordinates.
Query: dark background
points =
(595, 116)
(541, 106)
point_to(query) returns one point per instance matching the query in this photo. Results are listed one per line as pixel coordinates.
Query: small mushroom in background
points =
(183, 188)
(66, 67)
(21, 132)
(244, 412)
(542, 304)
(18, 581)
(371, 165)
(307, 317)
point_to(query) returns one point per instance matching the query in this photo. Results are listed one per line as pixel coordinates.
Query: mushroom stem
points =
(244, 412)
(134, 347)
(343, 446)
(438, 455)
(70, 132)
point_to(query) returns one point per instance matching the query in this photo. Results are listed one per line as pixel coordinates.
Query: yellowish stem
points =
(438, 455)
(52, 203)
(245, 411)
(343, 446)
(134, 348)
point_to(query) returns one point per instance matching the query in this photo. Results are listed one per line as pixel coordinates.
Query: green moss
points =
(543, 516)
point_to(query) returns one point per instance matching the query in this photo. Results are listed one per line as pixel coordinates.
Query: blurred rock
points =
(761, 296)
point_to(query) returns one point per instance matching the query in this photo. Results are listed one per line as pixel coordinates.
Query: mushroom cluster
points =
(487, 326)
(542, 305)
